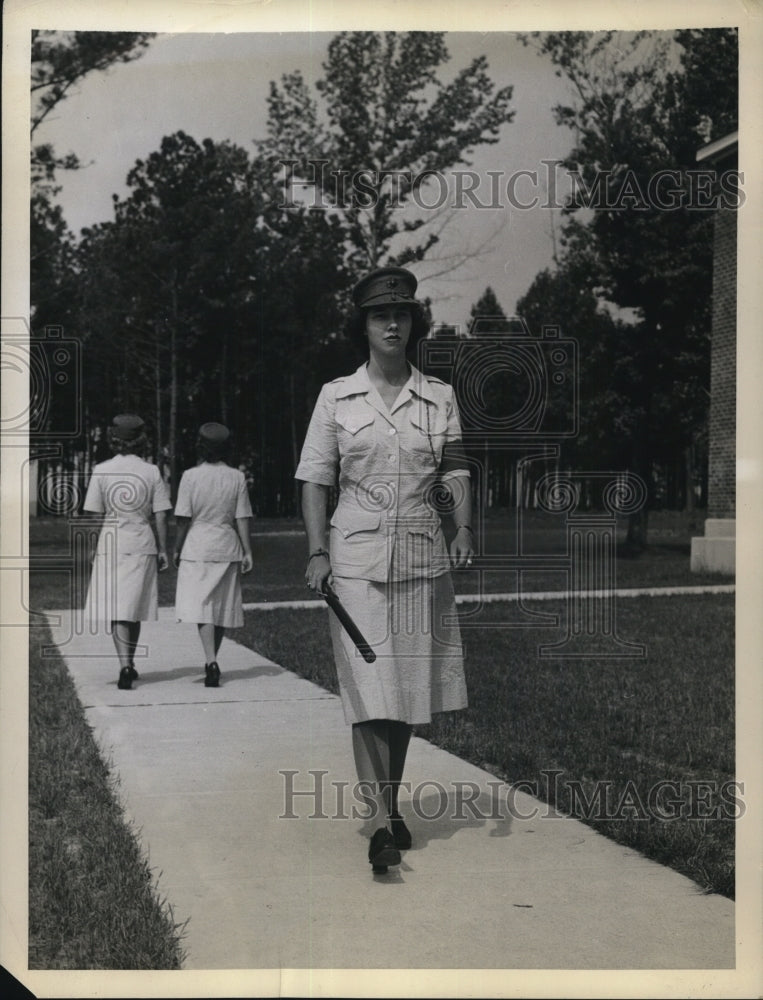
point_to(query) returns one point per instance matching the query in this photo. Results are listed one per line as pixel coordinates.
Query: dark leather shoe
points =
(133, 672)
(212, 679)
(382, 851)
(400, 832)
(125, 679)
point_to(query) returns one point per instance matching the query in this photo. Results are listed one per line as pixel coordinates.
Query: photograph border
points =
(180, 16)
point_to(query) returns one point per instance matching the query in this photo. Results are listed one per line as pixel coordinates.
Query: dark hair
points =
(212, 451)
(135, 446)
(355, 327)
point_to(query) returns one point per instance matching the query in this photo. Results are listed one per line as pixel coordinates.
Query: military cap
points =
(215, 434)
(385, 286)
(126, 426)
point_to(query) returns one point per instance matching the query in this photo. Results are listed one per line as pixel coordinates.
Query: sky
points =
(215, 85)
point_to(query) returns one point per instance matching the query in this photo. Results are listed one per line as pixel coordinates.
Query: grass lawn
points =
(93, 903)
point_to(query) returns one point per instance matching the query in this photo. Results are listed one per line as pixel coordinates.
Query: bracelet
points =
(467, 526)
(318, 552)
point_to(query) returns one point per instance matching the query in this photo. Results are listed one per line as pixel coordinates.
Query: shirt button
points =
(392, 430)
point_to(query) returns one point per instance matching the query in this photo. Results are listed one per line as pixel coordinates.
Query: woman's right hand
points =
(318, 572)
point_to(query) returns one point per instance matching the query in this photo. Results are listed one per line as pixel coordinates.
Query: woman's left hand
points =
(163, 561)
(462, 549)
(246, 562)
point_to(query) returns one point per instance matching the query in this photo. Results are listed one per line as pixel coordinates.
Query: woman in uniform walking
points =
(123, 589)
(212, 545)
(393, 436)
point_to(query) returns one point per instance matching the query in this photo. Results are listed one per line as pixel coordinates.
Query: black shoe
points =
(382, 851)
(212, 679)
(125, 679)
(133, 672)
(400, 832)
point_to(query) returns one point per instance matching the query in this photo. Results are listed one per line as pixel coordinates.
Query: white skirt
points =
(123, 589)
(411, 625)
(209, 593)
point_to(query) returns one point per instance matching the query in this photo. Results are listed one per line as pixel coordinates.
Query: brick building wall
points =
(722, 449)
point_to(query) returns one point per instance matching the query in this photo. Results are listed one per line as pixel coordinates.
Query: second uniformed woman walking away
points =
(212, 546)
(392, 434)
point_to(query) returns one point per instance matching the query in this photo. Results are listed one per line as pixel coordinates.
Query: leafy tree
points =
(487, 313)
(59, 60)
(605, 364)
(634, 117)
(380, 123)
(168, 277)
(216, 305)
(702, 99)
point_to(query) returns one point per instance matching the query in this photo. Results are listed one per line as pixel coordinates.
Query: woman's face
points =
(388, 328)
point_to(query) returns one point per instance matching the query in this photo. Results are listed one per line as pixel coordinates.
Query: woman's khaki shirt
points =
(386, 525)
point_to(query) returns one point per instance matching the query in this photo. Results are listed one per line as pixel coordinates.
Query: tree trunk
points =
(173, 392)
(638, 527)
(638, 522)
(293, 429)
(691, 496)
(158, 404)
(223, 377)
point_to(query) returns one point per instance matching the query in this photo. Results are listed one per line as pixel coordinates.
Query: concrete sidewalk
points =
(202, 777)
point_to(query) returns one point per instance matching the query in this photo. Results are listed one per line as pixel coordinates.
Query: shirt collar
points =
(354, 384)
(359, 382)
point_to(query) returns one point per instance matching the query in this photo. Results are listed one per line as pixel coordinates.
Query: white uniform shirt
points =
(129, 490)
(386, 525)
(213, 495)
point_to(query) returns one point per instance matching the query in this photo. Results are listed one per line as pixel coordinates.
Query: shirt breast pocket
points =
(354, 429)
(427, 433)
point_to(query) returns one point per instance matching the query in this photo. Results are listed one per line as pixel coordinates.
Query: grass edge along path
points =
(93, 900)
(624, 726)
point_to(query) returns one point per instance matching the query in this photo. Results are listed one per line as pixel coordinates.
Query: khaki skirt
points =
(411, 625)
(123, 589)
(209, 593)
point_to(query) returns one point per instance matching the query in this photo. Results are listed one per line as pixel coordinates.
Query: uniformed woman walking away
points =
(212, 546)
(392, 434)
(123, 588)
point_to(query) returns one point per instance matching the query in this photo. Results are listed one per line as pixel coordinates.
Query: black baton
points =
(348, 624)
